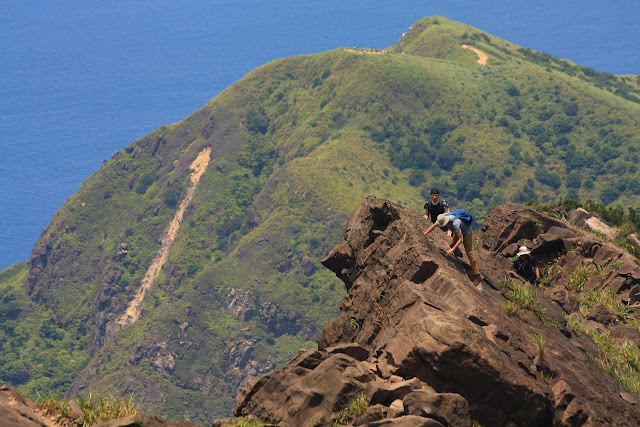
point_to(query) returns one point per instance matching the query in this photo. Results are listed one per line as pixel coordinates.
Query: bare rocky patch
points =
(132, 313)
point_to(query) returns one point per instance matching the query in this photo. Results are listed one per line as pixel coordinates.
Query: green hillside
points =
(295, 146)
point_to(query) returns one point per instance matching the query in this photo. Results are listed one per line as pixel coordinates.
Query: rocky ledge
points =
(422, 346)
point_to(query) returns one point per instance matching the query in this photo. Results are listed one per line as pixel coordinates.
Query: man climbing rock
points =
(436, 206)
(461, 234)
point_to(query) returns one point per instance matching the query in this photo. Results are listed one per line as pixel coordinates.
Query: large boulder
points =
(447, 408)
(591, 221)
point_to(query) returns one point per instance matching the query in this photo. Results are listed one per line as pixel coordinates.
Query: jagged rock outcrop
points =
(243, 305)
(39, 259)
(156, 355)
(426, 347)
(570, 250)
(591, 221)
(105, 301)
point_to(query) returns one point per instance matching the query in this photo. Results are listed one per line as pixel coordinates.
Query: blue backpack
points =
(462, 215)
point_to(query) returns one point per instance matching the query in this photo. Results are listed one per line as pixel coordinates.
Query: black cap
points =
(435, 191)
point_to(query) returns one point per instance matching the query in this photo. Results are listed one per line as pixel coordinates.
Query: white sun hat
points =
(443, 220)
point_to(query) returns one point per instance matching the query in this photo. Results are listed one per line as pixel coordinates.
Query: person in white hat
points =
(526, 266)
(461, 234)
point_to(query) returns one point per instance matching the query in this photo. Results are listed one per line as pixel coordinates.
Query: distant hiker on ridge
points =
(459, 222)
(526, 266)
(436, 206)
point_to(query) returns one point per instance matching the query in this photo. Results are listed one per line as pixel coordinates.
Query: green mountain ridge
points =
(295, 145)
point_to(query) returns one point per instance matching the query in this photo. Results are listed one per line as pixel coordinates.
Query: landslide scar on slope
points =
(134, 309)
(482, 57)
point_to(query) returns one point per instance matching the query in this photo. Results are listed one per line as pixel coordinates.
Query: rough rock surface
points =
(18, 410)
(426, 347)
(156, 355)
(591, 221)
(243, 305)
(145, 420)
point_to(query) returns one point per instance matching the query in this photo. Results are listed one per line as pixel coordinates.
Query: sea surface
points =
(80, 79)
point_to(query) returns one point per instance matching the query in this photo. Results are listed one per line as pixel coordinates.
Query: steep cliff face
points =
(423, 346)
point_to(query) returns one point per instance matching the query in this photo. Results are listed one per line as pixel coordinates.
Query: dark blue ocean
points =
(80, 79)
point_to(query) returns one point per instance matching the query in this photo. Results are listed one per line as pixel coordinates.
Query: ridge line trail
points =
(482, 57)
(134, 309)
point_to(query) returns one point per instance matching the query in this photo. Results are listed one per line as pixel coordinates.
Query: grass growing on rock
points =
(95, 409)
(99, 409)
(621, 360)
(621, 352)
(521, 298)
(606, 297)
(577, 279)
(354, 407)
(245, 422)
(540, 342)
(575, 325)
(56, 408)
(626, 375)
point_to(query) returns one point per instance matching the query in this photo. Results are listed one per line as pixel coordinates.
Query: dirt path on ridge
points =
(482, 57)
(134, 309)
(367, 51)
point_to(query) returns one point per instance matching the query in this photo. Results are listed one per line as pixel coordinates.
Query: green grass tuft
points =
(521, 297)
(99, 409)
(354, 407)
(626, 375)
(576, 280)
(245, 422)
(619, 359)
(95, 409)
(540, 343)
(606, 297)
